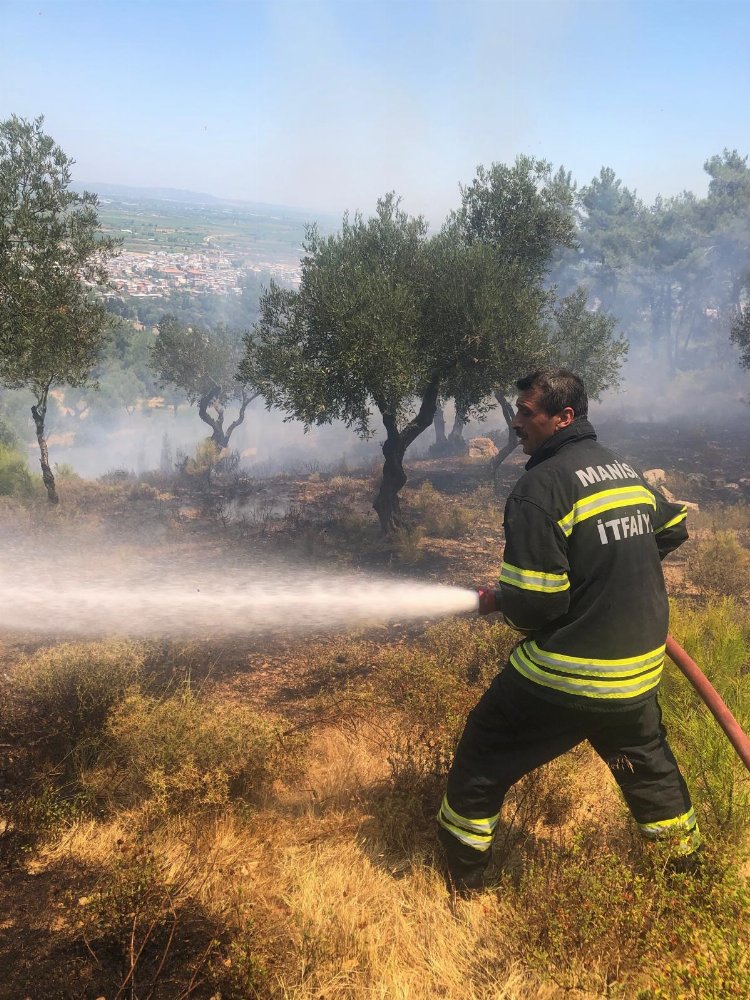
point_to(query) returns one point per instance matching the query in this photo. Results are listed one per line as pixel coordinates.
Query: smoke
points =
(103, 442)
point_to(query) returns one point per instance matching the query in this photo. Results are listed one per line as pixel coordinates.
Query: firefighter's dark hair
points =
(558, 388)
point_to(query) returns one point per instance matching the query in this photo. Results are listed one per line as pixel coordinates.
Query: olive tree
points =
(389, 319)
(202, 364)
(52, 255)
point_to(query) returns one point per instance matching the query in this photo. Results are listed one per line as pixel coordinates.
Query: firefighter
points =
(581, 580)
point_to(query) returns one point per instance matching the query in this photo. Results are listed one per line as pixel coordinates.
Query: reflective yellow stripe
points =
(684, 829)
(675, 520)
(597, 503)
(586, 687)
(532, 579)
(471, 840)
(476, 833)
(481, 826)
(589, 665)
(664, 827)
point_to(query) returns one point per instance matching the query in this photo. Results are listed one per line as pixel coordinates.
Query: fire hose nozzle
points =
(489, 600)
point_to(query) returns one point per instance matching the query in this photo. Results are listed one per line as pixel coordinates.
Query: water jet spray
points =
(175, 600)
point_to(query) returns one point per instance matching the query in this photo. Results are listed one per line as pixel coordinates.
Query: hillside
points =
(249, 812)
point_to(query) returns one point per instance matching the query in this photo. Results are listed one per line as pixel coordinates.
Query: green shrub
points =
(15, 478)
(65, 692)
(114, 477)
(432, 684)
(205, 459)
(581, 918)
(440, 518)
(406, 544)
(188, 753)
(719, 565)
(700, 949)
(8, 435)
(585, 920)
(460, 521)
(717, 637)
(64, 470)
(423, 692)
(485, 499)
(355, 531)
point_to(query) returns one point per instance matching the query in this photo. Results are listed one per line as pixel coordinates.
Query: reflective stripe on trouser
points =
(474, 833)
(511, 732)
(682, 831)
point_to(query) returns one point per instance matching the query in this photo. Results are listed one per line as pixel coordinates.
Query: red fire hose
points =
(711, 697)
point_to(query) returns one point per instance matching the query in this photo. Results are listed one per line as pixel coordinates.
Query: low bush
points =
(142, 491)
(186, 753)
(585, 920)
(719, 565)
(204, 461)
(485, 499)
(63, 693)
(440, 518)
(700, 951)
(406, 544)
(15, 478)
(582, 918)
(64, 470)
(114, 477)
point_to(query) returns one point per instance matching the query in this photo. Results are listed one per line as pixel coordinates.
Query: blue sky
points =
(327, 104)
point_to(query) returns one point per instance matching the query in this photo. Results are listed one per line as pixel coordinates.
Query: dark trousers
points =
(511, 731)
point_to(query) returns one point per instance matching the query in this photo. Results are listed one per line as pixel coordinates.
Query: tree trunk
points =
(671, 360)
(216, 424)
(39, 413)
(440, 439)
(512, 443)
(456, 443)
(386, 503)
(220, 437)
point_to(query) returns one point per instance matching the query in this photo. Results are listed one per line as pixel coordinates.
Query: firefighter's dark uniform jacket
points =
(581, 576)
(585, 535)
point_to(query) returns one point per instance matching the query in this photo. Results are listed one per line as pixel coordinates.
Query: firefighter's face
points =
(533, 425)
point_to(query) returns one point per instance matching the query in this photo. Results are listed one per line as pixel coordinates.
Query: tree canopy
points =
(51, 256)
(202, 363)
(387, 318)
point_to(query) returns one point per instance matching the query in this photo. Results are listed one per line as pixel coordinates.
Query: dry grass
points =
(336, 921)
(306, 897)
(326, 883)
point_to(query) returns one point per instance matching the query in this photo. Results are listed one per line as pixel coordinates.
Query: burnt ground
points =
(712, 460)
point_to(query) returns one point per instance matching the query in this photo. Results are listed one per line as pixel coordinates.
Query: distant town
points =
(172, 245)
(162, 272)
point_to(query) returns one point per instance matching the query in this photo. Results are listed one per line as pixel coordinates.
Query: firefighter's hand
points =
(489, 601)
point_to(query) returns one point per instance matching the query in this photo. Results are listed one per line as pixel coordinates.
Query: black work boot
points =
(685, 864)
(464, 881)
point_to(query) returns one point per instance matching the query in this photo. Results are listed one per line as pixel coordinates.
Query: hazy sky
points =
(326, 104)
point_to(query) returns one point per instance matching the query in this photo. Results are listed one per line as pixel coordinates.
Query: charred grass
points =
(201, 820)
